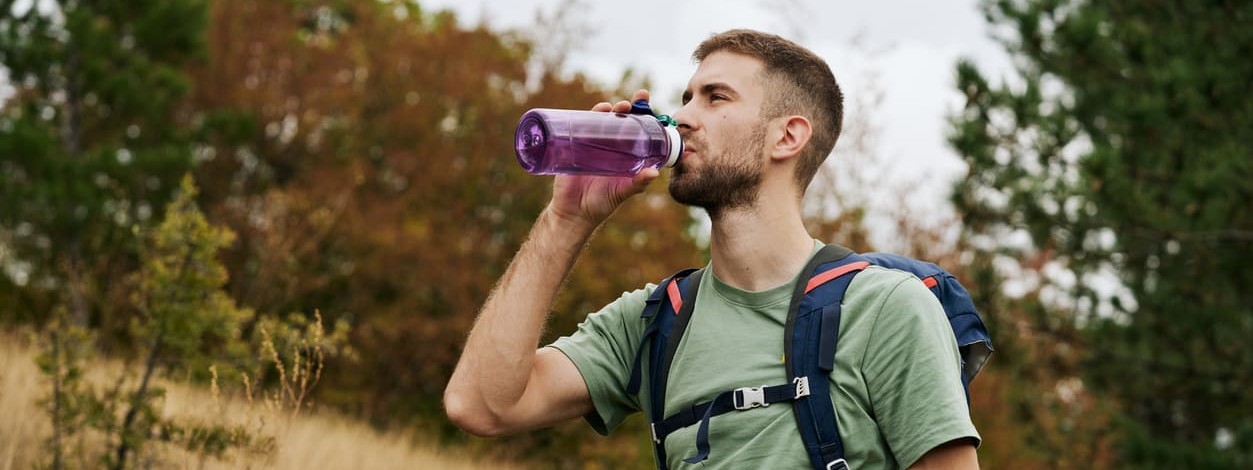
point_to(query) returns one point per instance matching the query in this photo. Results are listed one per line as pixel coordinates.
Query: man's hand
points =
(589, 200)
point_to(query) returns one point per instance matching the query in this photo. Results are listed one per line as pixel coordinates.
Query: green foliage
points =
(69, 406)
(186, 319)
(87, 420)
(1124, 154)
(185, 314)
(91, 144)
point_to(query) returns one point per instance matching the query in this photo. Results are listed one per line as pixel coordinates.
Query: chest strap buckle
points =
(747, 398)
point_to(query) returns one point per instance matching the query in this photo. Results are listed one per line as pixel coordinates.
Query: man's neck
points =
(761, 247)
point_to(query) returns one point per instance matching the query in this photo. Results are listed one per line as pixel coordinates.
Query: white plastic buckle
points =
(749, 398)
(802, 386)
(838, 464)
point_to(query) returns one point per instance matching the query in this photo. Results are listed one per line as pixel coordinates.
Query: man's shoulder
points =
(878, 289)
(630, 302)
(877, 280)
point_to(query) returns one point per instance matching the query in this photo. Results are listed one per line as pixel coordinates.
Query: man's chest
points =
(726, 349)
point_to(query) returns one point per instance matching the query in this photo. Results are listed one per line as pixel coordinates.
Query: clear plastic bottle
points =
(568, 142)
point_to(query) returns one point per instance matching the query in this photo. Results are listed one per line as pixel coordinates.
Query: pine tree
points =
(1124, 154)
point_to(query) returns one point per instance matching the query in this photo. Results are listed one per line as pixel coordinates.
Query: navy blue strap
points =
(828, 337)
(667, 330)
(661, 359)
(633, 385)
(731, 400)
(702, 433)
(815, 310)
(652, 307)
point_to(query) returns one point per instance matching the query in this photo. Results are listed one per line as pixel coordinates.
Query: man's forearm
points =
(495, 366)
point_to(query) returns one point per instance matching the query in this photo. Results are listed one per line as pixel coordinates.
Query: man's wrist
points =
(577, 229)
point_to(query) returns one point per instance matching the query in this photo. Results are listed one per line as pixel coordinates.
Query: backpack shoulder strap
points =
(668, 310)
(687, 305)
(827, 254)
(810, 337)
(660, 310)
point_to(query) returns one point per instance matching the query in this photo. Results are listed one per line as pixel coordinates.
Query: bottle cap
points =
(676, 145)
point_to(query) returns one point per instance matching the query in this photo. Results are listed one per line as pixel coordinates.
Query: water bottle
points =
(567, 142)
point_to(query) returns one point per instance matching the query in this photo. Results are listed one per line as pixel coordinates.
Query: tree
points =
(1122, 158)
(91, 144)
(182, 307)
(186, 323)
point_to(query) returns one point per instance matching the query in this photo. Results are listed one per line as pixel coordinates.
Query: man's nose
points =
(683, 118)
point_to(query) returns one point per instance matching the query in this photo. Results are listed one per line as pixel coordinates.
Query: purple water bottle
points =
(567, 142)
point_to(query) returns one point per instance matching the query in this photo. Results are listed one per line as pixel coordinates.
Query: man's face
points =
(723, 134)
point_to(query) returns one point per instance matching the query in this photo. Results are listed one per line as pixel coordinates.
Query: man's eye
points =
(717, 97)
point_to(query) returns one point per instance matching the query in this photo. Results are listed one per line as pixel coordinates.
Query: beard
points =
(731, 180)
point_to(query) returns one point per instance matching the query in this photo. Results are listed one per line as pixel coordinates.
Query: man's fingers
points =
(623, 106)
(644, 177)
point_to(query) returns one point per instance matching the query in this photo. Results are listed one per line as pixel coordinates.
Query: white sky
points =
(908, 49)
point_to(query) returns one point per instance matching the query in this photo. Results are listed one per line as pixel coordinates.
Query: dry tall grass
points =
(307, 441)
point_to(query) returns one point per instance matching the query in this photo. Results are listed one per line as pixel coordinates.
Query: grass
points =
(311, 440)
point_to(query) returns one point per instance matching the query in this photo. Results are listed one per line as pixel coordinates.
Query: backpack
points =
(810, 336)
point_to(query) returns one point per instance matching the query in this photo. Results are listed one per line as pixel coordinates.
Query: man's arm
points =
(503, 383)
(912, 370)
(957, 454)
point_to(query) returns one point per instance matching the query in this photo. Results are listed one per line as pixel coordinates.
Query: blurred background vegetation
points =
(359, 150)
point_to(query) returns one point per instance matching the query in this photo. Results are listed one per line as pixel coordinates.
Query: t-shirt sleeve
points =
(603, 349)
(912, 370)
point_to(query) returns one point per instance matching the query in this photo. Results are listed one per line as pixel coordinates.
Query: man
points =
(759, 116)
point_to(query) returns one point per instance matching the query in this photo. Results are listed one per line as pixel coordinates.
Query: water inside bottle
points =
(612, 149)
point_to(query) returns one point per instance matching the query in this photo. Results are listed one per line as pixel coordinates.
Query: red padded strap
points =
(676, 299)
(930, 282)
(834, 273)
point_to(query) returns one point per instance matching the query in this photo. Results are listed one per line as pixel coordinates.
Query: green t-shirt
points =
(896, 386)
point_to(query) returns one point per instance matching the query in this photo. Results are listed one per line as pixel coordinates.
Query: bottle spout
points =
(676, 144)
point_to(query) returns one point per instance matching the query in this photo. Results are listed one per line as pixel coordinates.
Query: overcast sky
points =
(906, 49)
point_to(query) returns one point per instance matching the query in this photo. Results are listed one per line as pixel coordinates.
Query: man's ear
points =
(791, 134)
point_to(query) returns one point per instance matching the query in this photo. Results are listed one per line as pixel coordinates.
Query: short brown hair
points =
(797, 81)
